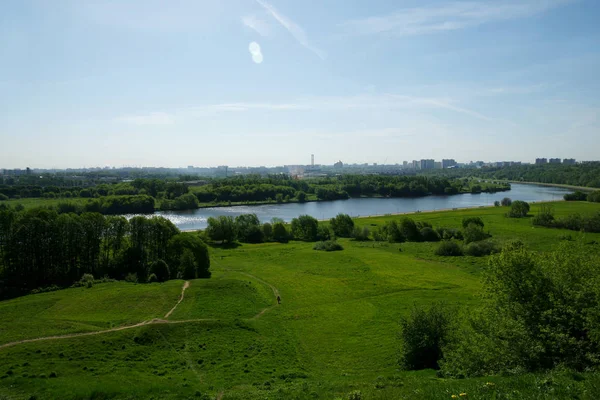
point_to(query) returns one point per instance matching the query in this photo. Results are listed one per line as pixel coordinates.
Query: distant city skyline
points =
(269, 82)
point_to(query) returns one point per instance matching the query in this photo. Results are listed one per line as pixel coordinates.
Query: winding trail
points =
(154, 321)
(185, 286)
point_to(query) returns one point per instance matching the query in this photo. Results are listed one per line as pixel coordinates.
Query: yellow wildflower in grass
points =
(454, 396)
(463, 395)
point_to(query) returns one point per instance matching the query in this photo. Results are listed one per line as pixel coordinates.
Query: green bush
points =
(152, 278)
(477, 221)
(449, 249)
(342, 225)
(474, 233)
(361, 235)
(131, 277)
(280, 233)
(409, 230)
(305, 228)
(160, 269)
(323, 233)
(545, 217)
(429, 235)
(328, 245)
(518, 209)
(576, 196)
(594, 197)
(3, 197)
(496, 203)
(506, 202)
(482, 248)
(423, 335)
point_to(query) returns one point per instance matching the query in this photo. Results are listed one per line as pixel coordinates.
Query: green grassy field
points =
(335, 331)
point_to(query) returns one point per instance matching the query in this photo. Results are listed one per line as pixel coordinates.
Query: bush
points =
(248, 229)
(506, 202)
(3, 197)
(392, 232)
(429, 235)
(87, 280)
(480, 249)
(449, 249)
(323, 233)
(328, 245)
(305, 228)
(474, 233)
(423, 336)
(160, 269)
(449, 233)
(594, 197)
(576, 196)
(221, 229)
(518, 209)
(496, 203)
(409, 230)
(152, 278)
(342, 225)
(545, 217)
(131, 277)
(280, 233)
(267, 230)
(477, 221)
(361, 235)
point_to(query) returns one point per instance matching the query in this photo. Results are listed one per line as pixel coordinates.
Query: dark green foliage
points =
(152, 278)
(496, 203)
(423, 335)
(305, 228)
(186, 201)
(361, 234)
(472, 220)
(161, 270)
(542, 313)
(328, 245)
(594, 197)
(409, 230)
(474, 233)
(280, 232)
(248, 229)
(180, 244)
(3, 197)
(301, 197)
(392, 233)
(506, 202)
(429, 235)
(326, 193)
(449, 248)
(576, 222)
(187, 265)
(324, 233)
(518, 209)
(221, 229)
(482, 248)
(449, 233)
(342, 225)
(267, 230)
(576, 196)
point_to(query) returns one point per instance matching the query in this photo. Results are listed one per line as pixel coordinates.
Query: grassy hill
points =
(334, 333)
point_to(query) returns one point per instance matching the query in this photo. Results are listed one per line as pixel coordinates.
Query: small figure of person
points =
(278, 299)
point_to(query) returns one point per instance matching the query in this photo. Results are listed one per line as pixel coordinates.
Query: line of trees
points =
(40, 248)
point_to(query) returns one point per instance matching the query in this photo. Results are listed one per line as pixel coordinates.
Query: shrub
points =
(342, 225)
(267, 230)
(576, 196)
(152, 278)
(594, 197)
(361, 235)
(160, 269)
(131, 277)
(409, 230)
(3, 197)
(449, 249)
(518, 209)
(87, 280)
(449, 233)
(545, 217)
(474, 233)
(280, 233)
(506, 202)
(305, 228)
(477, 221)
(328, 245)
(323, 233)
(429, 235)
(392, 232)
(248, 229)
(221, 229)
(496, 203)
(483, 248)
(423, 335)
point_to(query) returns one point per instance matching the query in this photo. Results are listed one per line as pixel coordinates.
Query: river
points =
(196, 219)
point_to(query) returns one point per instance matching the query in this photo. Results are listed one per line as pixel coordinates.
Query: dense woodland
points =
(40, 248)
(586, 174)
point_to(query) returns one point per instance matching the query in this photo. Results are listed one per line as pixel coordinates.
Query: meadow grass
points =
(335, 332)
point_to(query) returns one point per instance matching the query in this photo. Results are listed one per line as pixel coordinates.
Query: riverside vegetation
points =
(510, 312)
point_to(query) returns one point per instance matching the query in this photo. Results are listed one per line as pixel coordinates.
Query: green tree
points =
(472, 220)
(301, 196)
(221, 229)
(189, 241)
(280, 233)
(518, 209)
(248, 229)
(161, 270)
(409, 230)
(342, 225)
(305, 228)
(506, 202)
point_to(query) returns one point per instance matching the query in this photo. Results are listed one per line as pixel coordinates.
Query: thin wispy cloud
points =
(294, 29)
(258, 25)
(453, 16)
(382, 102)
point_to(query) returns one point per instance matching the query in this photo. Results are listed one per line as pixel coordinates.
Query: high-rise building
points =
(540, 161)
(437, 165)
(569, 161)
(554, 161)
(447, 163)
(405, 164)
(427, 164)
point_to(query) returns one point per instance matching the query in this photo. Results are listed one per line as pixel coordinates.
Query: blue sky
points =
(269, 82)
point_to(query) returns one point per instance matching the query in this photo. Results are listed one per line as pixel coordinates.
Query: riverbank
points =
(558, 185)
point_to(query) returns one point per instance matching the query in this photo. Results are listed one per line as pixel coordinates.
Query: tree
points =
(280, 233)
(474, 233)
(429, 235)
(342, 225)
(409, 230)
(496, 203)
(187, 265)
(305, 228)
(506, 202)
(189, 241)
(161, 270)
(221, 229)
(301, 196)
(393, 232)
(279, 198)
(267, 230)
(247, 228)
(518, 209)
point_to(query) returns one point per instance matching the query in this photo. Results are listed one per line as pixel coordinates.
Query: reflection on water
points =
(196, 219)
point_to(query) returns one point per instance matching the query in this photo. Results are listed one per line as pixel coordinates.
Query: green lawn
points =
(335, 331)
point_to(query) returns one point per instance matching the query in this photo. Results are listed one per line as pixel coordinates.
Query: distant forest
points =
(586, 174)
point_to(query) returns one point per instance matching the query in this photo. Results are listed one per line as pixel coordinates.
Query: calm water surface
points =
(196, 219)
